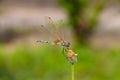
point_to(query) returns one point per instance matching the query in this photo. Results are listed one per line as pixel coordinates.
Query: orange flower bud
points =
(72, 57)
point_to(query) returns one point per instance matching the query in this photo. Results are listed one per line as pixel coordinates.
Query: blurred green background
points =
(91, 26)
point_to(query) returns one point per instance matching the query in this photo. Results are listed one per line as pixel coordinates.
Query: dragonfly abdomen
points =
(43, 41)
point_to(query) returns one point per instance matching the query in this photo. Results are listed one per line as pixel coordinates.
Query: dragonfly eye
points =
(66, 44)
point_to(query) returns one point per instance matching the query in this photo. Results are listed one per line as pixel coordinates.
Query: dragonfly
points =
(58, 34)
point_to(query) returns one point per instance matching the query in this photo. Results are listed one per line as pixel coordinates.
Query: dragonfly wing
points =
(56, 28)
(61, 31)
(47, 34)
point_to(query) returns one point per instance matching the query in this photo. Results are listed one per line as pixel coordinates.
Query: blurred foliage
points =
(8, 34)
(83, 16)
(47, 63)
(74, 8)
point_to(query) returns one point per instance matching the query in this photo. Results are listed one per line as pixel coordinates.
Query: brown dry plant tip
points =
(72, 57)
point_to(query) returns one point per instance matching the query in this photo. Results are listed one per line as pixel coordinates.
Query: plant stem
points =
(73, 72)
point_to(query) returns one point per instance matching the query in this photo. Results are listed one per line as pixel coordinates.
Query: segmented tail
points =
(42, 41)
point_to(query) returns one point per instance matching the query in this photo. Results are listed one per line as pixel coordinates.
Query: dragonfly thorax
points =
(66, 44)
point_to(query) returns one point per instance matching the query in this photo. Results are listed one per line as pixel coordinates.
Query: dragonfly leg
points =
(63, 51)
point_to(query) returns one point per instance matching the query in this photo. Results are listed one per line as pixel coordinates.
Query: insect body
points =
(57, 42)
(69, 54)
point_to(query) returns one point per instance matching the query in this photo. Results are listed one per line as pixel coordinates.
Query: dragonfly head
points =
(66, 44)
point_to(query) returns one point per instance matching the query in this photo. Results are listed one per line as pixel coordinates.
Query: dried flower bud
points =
(72, 57)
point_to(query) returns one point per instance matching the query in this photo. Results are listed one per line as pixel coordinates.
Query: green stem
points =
(73, 72)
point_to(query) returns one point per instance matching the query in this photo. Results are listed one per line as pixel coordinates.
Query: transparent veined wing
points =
(54, 31)
(55, 27)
